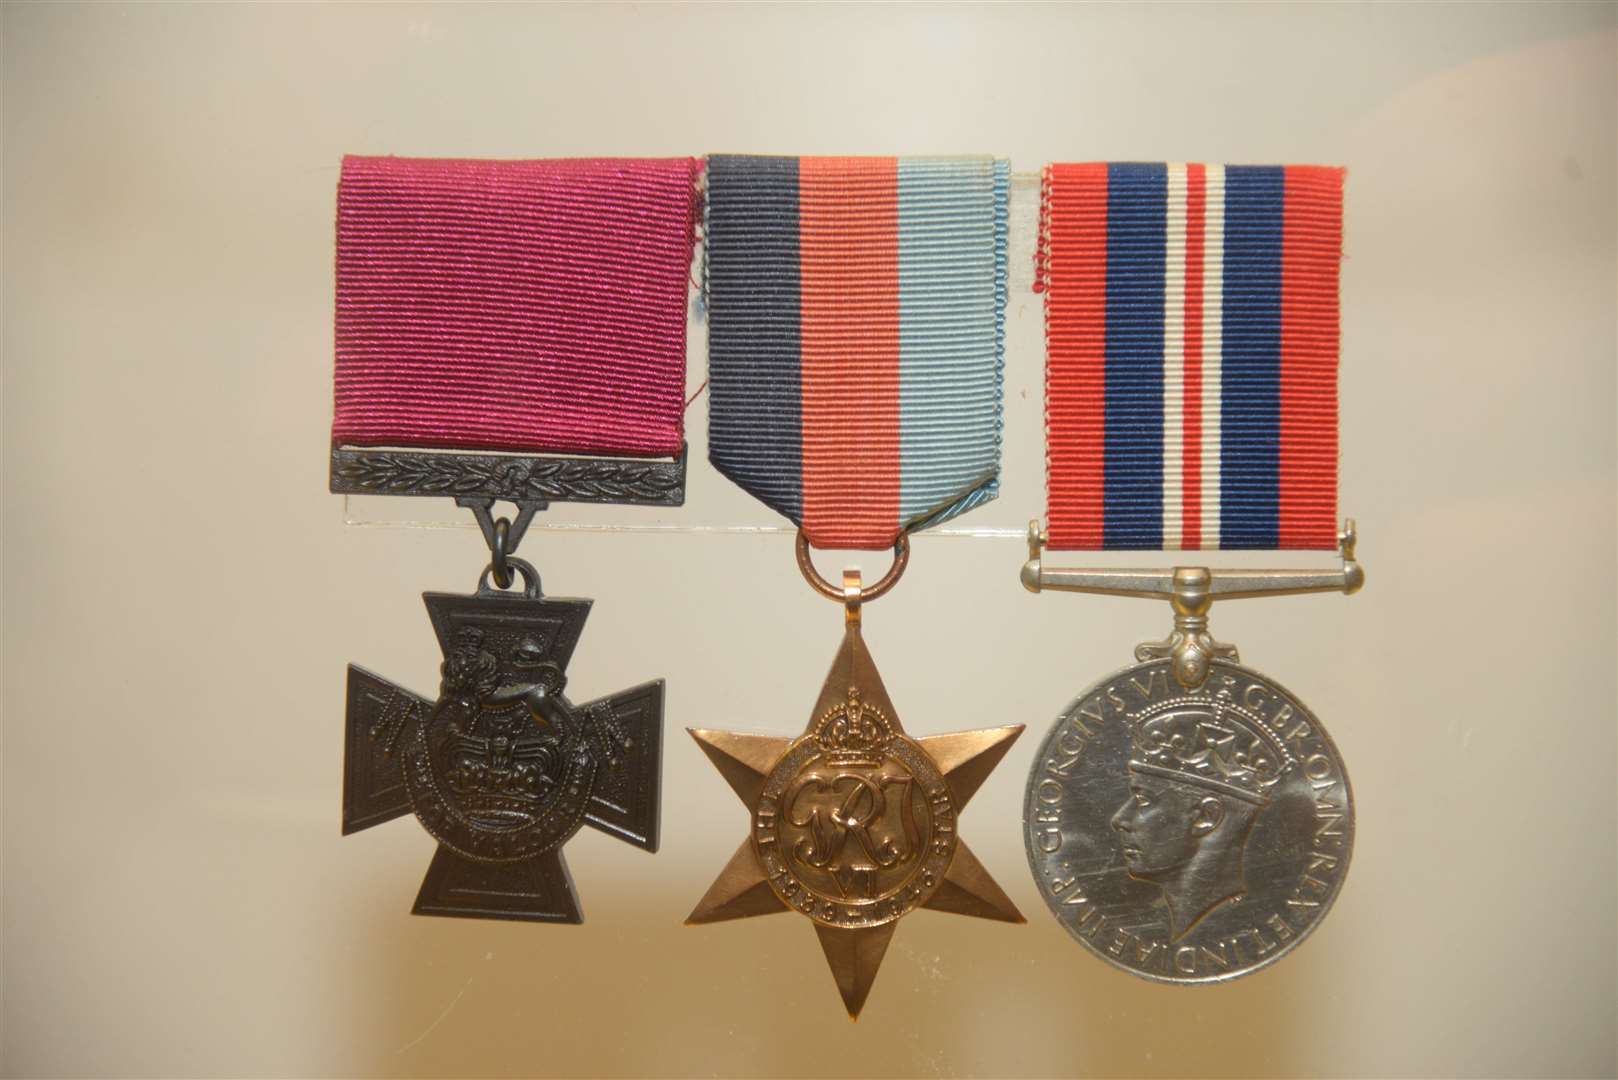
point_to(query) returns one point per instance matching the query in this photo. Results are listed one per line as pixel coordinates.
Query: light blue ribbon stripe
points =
(952, 296)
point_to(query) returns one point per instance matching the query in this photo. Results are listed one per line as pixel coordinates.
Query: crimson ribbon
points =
(530, 306)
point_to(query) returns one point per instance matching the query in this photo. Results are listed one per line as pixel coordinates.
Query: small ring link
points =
(530, 578)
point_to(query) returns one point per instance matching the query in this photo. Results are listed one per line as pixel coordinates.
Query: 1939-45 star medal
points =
(1188, 819)
(490, 316)
(854, 374)
(854, 823)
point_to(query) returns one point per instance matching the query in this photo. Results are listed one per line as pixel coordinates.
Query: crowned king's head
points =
(853, 732)
(1211, 743)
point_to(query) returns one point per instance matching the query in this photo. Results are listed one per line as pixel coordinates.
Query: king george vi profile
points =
(1199, 779)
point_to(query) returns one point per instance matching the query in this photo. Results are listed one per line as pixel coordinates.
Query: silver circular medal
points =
(1188, 836)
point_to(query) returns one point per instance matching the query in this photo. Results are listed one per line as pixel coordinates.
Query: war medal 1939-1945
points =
(862, 414)
(512, 331)
(1188, 819)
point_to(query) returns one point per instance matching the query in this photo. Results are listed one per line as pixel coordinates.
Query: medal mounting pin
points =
(1191, 590)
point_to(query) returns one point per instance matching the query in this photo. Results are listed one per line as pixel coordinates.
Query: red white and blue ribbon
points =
(530, 306)
(855, 329)
(1192, 351)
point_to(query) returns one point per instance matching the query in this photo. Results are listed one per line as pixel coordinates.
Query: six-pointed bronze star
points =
(854, 823)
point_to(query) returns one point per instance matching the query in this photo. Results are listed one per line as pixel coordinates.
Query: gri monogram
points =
(857, 804)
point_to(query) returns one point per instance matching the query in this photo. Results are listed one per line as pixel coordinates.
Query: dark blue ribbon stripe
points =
(1250, 480)
(1137, 200)
(754, 337)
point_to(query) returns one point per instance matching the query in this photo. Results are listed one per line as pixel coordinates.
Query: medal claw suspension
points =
(1192, 590)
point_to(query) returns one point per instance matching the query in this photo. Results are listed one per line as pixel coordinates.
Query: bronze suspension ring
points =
(901, 559)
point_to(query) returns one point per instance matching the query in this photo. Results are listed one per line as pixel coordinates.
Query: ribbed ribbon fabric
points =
(534, 306)
(856, 314)
(1192, 349)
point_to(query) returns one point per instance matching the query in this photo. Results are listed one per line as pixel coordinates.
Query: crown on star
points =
(853, 732)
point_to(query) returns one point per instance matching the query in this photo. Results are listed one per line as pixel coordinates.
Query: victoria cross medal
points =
(502, 768)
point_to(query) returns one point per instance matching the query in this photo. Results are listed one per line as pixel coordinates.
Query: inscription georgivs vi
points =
(1188, 836)
(502, 768)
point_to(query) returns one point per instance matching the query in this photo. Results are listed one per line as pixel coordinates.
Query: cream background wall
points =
(181, 594)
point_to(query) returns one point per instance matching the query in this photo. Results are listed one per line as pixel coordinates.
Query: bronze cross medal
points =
(855, 823)
(502, 769)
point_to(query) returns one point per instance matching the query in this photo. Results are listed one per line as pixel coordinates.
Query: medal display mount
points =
(1188, 819)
